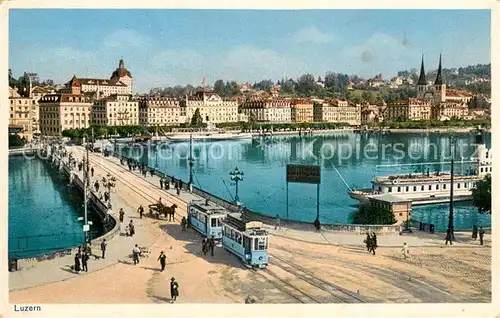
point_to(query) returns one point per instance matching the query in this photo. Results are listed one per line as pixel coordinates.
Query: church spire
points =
(421, 79)
(122, 64)
(439, 77)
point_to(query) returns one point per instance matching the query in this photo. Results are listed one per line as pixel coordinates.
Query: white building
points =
(162, 111)
(211, 106)
(115, 110)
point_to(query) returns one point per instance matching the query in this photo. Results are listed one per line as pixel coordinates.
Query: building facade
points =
(268, 110)
(119, 83)
(59, 112)
(411, 109)
(302, 111)
(212, 108)
(21, 111)
(115, 110)
(161, 111)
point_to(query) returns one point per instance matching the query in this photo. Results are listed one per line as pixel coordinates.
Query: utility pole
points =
(450, 216)
(85, 190)
(191, 162)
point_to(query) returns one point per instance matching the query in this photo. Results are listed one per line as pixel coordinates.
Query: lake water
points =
(44, 210)
(346, 159)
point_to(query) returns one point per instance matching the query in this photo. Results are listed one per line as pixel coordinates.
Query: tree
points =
(306, 85)
(367, 214)
(481, 195)
(220, 87)
(15, 141)
(197, 120)
(264, 85)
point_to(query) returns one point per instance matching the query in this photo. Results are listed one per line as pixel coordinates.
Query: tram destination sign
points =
(303, 174)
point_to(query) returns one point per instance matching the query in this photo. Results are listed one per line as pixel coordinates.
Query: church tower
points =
(439, 85)
(422, 81)
(123, 75)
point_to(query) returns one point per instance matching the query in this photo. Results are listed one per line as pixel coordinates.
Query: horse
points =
(170, 211)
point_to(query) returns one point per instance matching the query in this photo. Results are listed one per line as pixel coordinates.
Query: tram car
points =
(247, 240)
(206, 218)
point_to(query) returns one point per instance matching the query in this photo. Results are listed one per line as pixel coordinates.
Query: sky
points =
(178, 47)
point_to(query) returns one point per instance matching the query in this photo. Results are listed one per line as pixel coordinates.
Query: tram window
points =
(260, 243)
(213, 222)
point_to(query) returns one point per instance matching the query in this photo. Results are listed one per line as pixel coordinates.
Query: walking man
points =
(368, 242)
(122, 215)
(140, 210)
(174, 289)
(481, 236)
(211, 244)
(104, 244)
(204, 246)
(92, 172)
(374, 243)
(131, 228)
(474, 232)
(161, 183)
(448, 237)
(163, 259)
(183, 224)
(85, 258)
(404, 250)
(135, 254)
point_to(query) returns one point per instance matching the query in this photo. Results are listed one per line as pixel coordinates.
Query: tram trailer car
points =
(206, 218)
(247, 240)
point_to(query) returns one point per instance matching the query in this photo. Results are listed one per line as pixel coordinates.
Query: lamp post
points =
(236, 176)
(450, 216)
(191, 163)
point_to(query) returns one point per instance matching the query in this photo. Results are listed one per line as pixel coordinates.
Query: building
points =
(301, 111)
(337, 111)
(274, 110)
(211, 106)
(115, 110)
(119, 83)
(59, 112)
(398, 206)
(162, 111)
(450, 110)
(36, 94)
(324, 112)
(21, 111)
(410, 109)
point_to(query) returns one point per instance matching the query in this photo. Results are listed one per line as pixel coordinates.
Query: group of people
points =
(481, 232)
(208, 244)
(371, 242)
(82, 257)
(178, 184)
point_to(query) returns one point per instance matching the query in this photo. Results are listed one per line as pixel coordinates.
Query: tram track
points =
(286, 287)
(146, 184)
(335, 291)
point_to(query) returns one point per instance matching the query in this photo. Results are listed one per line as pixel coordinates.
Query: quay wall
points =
(111, 225)
(360, 229)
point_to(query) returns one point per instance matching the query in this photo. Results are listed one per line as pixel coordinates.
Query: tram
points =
(247, 240)
(206, 218)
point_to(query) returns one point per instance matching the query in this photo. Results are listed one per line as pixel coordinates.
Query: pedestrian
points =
(152, 171)
(96, 185)
(161, 183)
(368, 242)
(204, 246)
(131, 228)
(374, 243)
(180, 184)
(481, 236)
(104, 244)
(474, 232)
(122, 215)
(448, 237)
(92, 171)
(77, 260)
(136, 251)
(277, 226)
(211, 244)
(140, 210)
(167, 185)
(183, 224)
(162, 258)
(174, 289)
(404, 250)
(85, 258)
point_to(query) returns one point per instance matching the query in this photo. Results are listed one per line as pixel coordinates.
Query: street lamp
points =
(191, 163)
(450, 216)
(236, 176)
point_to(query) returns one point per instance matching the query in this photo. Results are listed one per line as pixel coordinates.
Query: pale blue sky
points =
(168, 47)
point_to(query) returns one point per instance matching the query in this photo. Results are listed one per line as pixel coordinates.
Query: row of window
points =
(430, 187)
(259, 243)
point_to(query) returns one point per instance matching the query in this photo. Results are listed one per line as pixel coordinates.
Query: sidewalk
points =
(118, 250)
